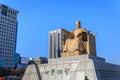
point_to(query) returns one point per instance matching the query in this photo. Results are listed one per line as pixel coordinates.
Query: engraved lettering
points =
(59, 71)
(52, 72)
(66, 71)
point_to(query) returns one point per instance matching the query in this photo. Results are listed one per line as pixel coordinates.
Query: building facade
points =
(55, 43)
(41, 60)
(16, 59)
(8, 35)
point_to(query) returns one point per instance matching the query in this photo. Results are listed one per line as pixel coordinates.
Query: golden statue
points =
(76, 43)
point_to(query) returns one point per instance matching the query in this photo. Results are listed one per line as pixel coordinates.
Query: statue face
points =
(77, 26)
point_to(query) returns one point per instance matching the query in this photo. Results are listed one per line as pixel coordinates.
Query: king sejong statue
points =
(78, 42)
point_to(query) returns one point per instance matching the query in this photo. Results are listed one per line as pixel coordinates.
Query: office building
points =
(8, 35)
(55, 43)
(41, 60)
(24, 60)
(16, 59)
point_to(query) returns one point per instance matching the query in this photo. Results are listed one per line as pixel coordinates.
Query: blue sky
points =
(37, 17)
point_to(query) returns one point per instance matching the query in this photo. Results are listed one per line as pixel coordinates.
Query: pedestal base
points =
(81, 67)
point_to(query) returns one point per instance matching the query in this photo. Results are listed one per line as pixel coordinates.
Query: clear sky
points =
(37, 17)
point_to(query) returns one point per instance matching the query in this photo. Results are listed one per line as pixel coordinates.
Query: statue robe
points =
(74, 44)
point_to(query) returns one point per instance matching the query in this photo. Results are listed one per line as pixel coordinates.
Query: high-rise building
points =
(8, 35)
(56, 38)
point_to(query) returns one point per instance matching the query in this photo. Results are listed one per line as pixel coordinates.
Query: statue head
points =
(78, 24)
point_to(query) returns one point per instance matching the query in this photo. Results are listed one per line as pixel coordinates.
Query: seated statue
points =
(74, 44)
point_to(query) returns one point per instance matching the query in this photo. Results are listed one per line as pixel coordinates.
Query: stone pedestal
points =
(80, 67)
